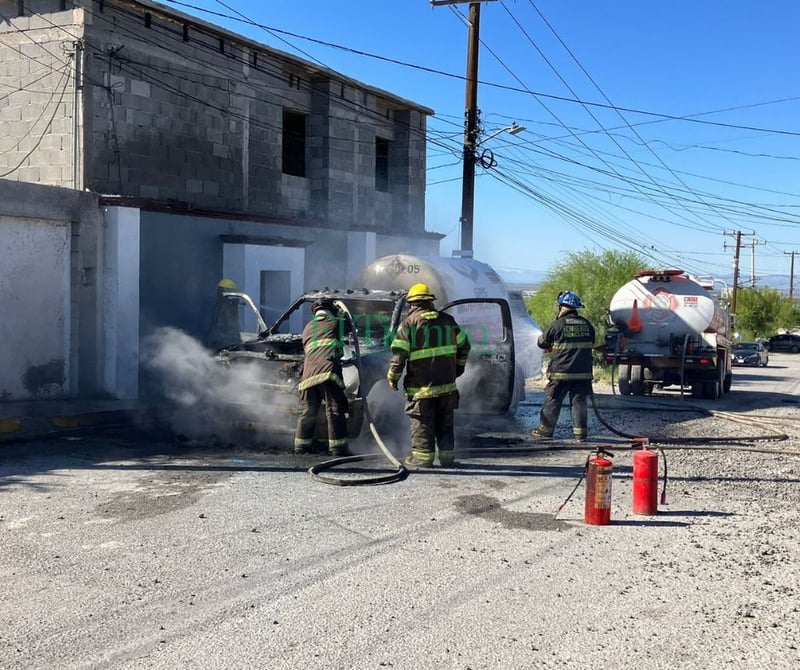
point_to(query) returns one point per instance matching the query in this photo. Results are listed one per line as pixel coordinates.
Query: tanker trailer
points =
(463, 277)
(665, 328)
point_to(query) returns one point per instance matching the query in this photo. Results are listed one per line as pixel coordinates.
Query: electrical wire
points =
(43, 134)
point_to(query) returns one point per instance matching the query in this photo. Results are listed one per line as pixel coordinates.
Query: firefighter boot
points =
(447, 459)
(419, 459)
(302, 446)
(537, 434)
(338, 448)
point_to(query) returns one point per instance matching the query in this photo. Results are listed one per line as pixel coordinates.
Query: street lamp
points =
(513, 129)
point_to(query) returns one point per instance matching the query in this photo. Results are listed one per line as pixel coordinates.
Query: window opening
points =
(294, 144)
(381, 164)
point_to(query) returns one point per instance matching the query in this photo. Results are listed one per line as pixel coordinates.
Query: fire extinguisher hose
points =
(578, 483)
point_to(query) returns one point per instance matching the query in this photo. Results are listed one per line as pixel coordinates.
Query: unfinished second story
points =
(132, 98)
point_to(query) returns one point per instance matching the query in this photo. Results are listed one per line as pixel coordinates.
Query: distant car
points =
(788, 342)
(750, 353)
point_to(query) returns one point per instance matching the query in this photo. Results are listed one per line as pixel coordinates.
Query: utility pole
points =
(738, 235)
(791, 274)
(471, 124)
(752, 246)
(470, 130)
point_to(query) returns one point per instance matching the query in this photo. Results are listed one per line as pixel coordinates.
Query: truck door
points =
(487, 385)
(235, 320)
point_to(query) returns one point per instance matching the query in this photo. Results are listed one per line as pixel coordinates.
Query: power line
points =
(689, 118)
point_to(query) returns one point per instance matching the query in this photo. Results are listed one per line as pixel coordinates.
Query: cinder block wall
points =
(190, 115)
(37, 67)
(169, 109)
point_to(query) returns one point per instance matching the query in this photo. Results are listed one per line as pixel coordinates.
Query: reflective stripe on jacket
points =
(322, 345)
(433, 349)
(571, 339)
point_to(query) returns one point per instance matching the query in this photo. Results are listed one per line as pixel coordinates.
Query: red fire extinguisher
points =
(645, 479)
(597, 509)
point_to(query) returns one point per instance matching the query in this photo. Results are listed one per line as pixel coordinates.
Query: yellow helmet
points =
(227, 285)
(419, 293)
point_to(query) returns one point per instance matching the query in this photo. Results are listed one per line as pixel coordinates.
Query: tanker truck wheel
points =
(649, 384)
(637, 380)
(624, 380)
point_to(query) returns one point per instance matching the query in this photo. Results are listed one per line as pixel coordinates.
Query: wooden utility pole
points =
(738, 235)
(471, 124)
(791, 274)
(470, 129)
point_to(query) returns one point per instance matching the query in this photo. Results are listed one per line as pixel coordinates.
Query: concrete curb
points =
(16, 429)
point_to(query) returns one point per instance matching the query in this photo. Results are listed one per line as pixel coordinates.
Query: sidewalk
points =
(27, 420)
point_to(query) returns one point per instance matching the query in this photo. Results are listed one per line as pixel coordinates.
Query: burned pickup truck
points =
(270, 364)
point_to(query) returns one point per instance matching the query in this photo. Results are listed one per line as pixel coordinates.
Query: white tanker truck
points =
(666, 327)
(456, 278)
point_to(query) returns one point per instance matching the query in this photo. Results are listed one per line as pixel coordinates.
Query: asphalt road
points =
(137, 551)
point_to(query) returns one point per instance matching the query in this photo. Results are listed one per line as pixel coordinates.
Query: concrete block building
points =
(211, 156)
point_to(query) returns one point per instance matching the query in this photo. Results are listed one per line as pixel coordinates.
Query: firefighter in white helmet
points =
(433, 349)
(570, 339)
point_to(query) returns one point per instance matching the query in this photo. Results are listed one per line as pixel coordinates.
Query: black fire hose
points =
(400, 473)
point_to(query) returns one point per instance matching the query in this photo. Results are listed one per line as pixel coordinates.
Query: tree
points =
(594, 277)
(761, 312)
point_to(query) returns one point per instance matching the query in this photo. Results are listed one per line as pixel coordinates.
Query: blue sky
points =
(661, 128)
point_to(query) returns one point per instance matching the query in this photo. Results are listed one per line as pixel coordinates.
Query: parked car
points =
(750, 353)
(788, 342)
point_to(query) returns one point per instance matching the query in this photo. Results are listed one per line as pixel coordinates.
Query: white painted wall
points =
(361, 251)
(35, 319)
(121, 302)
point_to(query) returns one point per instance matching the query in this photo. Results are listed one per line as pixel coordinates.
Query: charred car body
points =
(273, 360)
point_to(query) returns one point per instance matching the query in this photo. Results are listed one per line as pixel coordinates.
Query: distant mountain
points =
(524, 280)
(529, 280)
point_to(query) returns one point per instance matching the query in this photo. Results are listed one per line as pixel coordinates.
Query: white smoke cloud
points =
(212, 400)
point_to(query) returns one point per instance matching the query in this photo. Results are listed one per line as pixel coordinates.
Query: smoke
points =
(210, 400)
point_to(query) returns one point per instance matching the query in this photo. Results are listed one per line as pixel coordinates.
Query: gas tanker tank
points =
(448, 278)
(667, 302)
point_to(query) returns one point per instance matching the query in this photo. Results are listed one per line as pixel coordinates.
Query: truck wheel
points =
(698, 390)
(637, 382)
(624, 381)
(713, 390)
(794, 349)
(726, 384)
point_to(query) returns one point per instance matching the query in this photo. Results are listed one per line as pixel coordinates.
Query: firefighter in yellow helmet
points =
(224, 330)
(433, 350)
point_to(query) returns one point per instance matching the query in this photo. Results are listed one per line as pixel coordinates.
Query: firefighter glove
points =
(392, 384)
